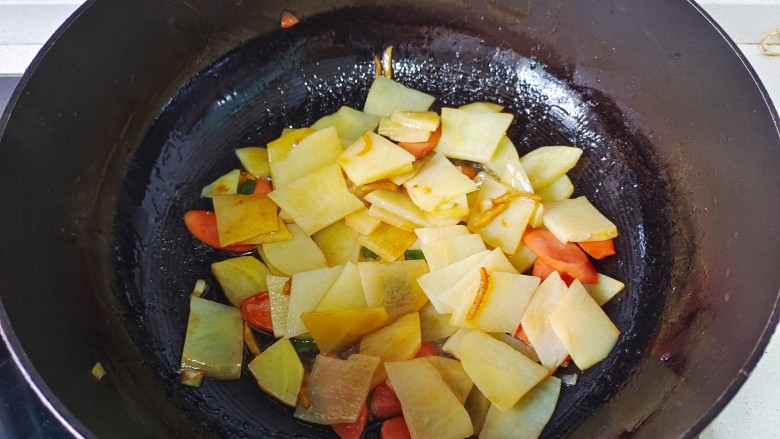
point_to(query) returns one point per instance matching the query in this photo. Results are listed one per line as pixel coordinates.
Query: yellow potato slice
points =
(433, 413)
(335, 331)
(278, 371)
(394, 285)
(582, 326)
(397, 341)
(317, 199)
(502, 374)
(240, 278)
(240, 217)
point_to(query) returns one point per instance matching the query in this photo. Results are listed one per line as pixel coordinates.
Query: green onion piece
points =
(307, 350)
(199, 247)
(247, 187)
(368, 254)
(414, 254)
(192, 377)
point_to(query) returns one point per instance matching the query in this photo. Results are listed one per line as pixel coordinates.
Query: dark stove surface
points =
(22, 415)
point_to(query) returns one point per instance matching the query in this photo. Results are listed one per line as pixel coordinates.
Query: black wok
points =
(133, 106)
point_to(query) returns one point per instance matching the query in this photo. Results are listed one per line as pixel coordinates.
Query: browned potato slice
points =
(337, 389)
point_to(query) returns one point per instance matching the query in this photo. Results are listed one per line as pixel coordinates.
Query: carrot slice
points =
(262, 186)
(427, 349)
(598, 249)
(421, 149)
(566, 258)
(203, 225)
(522, 336)
(468, 171)
(257, 312)
(395, 429)
(543, 269)
(355, 429)
(385, 403)
(288, 20)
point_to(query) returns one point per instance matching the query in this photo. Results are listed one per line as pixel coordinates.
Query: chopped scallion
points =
(368, 254)
(247, 187)
(414, 254)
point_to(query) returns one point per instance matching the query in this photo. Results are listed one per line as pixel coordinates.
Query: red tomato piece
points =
(257, 312)
(395, 429)
(543, 269)
(598, 249)
(421, 149)
(384, 402)
(565, 258)
(427, 349)
(355, 429)
(203, 225)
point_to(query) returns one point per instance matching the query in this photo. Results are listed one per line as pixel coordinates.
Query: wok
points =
(133, 106)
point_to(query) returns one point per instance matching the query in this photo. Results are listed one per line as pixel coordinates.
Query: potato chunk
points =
(388, 242)
(502, 305)
(317, 150)
(536, 321)
(505, 163)
(299, 254)
(372, 158)
(471, 135)
(437, 183)
(226, 184)
(335, 331)
(582, 326)
(279, 371)
(213, 343)
(452, 373)
(434, 326)
(255, 161)
(349, 123)
(397, 341)
(337, 389)
(433, 413)
(577, 220)
(386, 96)
(544, 165)
(306, 292)
(527, 418)
(338, 243)
(501, 373)
(505, 229)
(346, 292)
(394, 285)
(240, 277)
(240, 217)
(605, 290)
(317, 199)
(280, 303)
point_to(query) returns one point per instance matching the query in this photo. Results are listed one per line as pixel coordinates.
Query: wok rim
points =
(74, 426)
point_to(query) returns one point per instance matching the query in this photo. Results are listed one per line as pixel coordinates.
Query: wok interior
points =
(291, 79)
(159, 113)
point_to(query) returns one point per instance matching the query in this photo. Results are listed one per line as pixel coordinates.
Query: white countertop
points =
(755, 411)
